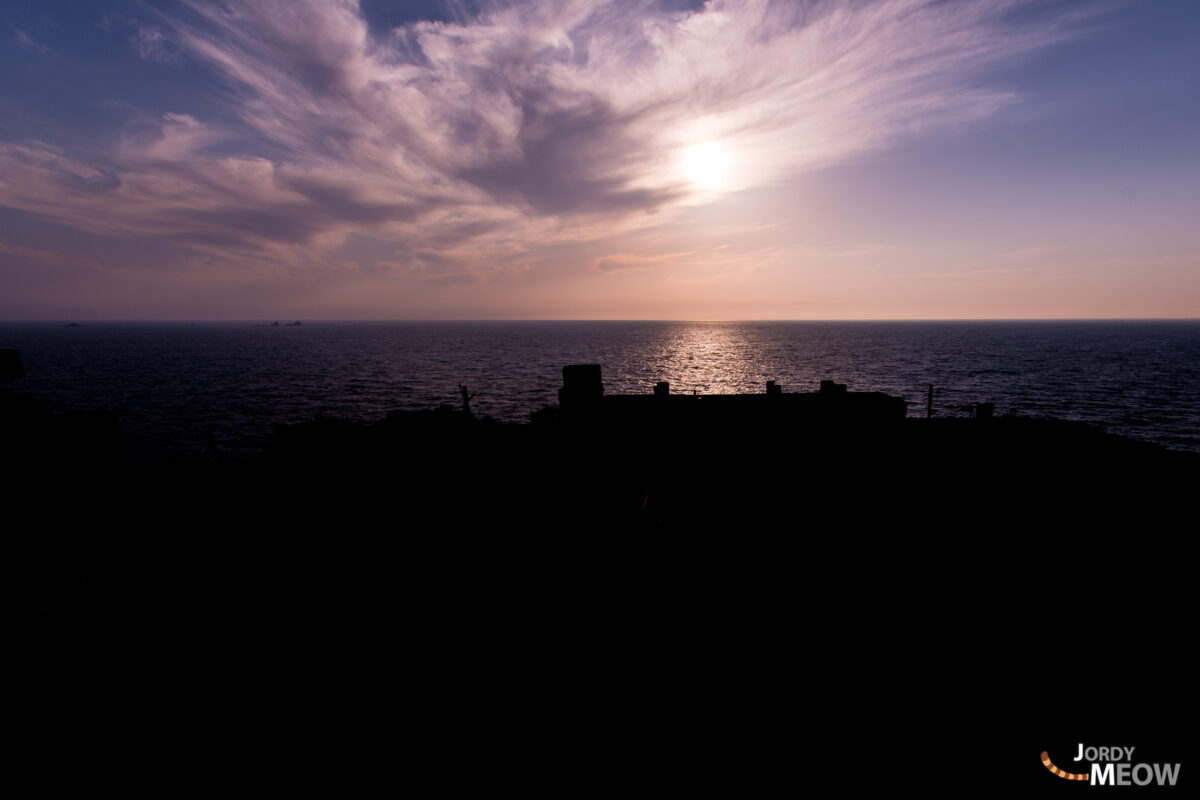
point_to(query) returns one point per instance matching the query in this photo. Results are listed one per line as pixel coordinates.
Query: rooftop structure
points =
(582, 397)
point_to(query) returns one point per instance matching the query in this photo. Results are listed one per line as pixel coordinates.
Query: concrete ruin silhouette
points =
(582, 397)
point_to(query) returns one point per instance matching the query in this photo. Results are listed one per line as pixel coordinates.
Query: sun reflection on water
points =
(1137, 379)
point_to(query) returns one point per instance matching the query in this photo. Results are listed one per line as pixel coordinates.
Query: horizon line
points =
(311, 320)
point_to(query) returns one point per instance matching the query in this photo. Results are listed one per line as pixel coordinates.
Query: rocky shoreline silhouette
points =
(584, 605)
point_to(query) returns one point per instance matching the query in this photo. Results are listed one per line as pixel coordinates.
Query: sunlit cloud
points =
(472, 144)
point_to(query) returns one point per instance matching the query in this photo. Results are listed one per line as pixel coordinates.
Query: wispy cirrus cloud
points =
(26, 41)
(472, 143)
(152, 44)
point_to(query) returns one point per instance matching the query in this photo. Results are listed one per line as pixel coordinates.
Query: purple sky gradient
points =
(263, 159)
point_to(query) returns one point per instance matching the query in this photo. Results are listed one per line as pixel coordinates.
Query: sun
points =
(706, 166)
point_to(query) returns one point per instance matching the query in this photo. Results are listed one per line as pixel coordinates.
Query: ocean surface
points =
(173, 384)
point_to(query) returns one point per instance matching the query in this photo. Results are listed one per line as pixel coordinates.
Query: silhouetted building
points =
(582, 397)
(582, 389)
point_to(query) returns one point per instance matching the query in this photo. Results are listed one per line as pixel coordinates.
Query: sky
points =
(630, 159)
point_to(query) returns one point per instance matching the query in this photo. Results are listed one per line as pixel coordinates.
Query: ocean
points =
(174, 385)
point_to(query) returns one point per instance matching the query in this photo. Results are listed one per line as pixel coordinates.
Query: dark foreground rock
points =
(436, 606)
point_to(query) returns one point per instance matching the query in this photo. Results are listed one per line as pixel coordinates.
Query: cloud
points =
(152, 44)
(32, 253)
(544, 121)
(26, 42)
(622, 262)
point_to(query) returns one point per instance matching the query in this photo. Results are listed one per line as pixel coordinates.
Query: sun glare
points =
(706, 166)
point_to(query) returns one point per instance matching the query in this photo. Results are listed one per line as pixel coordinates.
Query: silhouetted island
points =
(639, 596)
